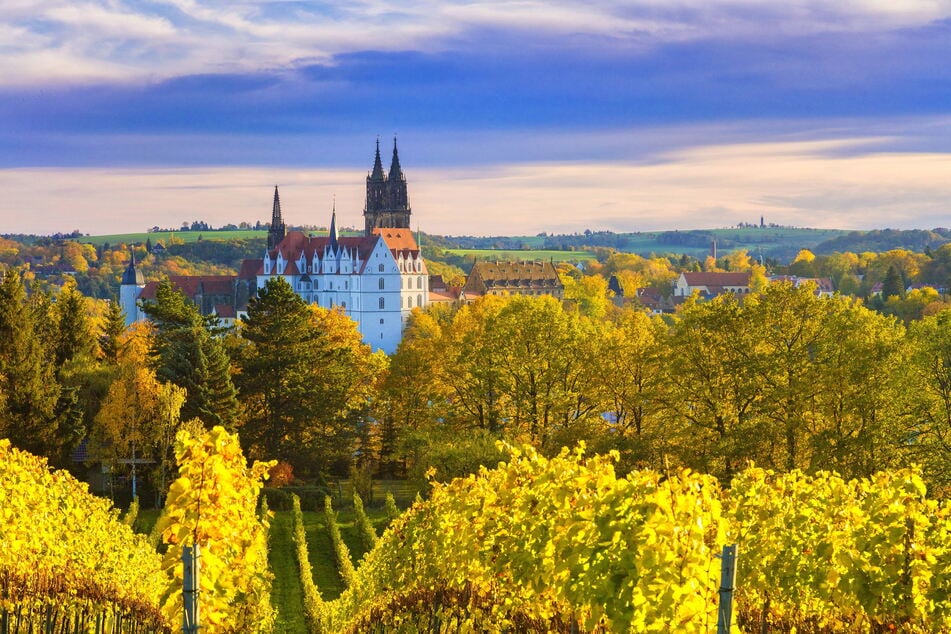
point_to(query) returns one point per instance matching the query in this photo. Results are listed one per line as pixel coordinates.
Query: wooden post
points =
(727, 585)
(191, 558)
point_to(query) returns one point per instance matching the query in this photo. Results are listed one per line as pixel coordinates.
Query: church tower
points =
(387, 203)
(132, 284)
(278, 230)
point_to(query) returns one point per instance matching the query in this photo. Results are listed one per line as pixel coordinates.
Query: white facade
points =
(377, 280)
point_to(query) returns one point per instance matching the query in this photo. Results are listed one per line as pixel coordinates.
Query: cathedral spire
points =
(377, 174)
(278, 230)
(396, 172)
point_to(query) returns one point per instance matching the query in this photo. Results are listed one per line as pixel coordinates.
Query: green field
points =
(165, 237)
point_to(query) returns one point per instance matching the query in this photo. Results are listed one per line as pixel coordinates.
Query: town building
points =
(823, 285)
(709, 284)
(512, 278)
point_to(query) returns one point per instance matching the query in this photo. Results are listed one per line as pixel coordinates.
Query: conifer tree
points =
(185, 353)
(27, 383)
(892, 285)
(110, 334)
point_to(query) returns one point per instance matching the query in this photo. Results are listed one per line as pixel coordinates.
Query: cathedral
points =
(377, 278)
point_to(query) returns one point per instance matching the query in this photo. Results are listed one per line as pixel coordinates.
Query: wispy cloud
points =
(167, 38)
(802, 183)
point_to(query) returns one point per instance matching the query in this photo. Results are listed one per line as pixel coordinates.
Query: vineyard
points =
(536, 545)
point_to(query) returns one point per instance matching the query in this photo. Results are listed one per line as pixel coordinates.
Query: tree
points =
(305, 377)
(28, 387)
(186, 352)
(929, 426)
(75, 339)
(627, 373)
(708, 392)
(139, 415)
(110, 337)
(892, 286)
(589, 293)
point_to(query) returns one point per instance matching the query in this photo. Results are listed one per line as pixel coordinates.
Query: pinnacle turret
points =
(278, 229)
(333, 229)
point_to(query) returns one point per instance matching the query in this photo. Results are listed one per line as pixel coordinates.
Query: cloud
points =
(167, 38)
(844, 183)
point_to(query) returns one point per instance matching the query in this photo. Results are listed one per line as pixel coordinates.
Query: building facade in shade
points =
(377, 278)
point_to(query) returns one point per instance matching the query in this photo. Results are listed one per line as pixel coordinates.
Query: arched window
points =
(419, 301)
(409, 302)
(381, 268)
(382, 303)
(381, 284)
(419, 282)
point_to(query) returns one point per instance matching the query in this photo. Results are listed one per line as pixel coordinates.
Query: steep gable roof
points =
(717, 278)
(191, 285)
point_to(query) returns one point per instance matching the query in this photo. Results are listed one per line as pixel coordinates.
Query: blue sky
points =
(512, 117)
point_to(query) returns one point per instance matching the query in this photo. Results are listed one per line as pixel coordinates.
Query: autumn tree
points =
(929, 399)
(709, 394)
(627, 353)
(140, 414)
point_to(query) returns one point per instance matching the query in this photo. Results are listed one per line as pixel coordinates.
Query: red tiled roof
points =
(190, 285)
(225, 311)
(398, 239)
(296, 243)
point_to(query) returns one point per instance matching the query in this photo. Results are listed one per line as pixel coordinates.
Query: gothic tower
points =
(278, 230)
(387, 202)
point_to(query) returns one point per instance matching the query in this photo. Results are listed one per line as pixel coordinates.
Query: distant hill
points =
(779, 243)
(881, 240)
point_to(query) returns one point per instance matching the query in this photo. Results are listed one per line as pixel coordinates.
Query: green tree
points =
(75, 339)
(111, 331)
(187, 352)
(306, 379)
(929, 425)
(708, 392)
(28, 387)
(892, 285)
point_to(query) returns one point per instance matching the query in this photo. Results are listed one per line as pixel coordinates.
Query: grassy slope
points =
(163, 237)
(286, 594)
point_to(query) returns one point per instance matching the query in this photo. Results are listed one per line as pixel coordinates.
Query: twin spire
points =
(396, 172)
(387, 203)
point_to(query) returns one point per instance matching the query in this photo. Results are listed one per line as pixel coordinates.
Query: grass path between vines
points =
(287, 596)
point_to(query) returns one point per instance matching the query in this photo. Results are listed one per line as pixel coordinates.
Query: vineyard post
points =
(727, 585)
(191, 558)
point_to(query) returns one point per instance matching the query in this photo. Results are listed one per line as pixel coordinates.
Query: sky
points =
(511, 117)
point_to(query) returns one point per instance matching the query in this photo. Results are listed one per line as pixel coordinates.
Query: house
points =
(442, 293)
(709, 284)
(823, 285)
(513, 278)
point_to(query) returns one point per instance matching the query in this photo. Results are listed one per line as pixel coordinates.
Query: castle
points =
(377, 278)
